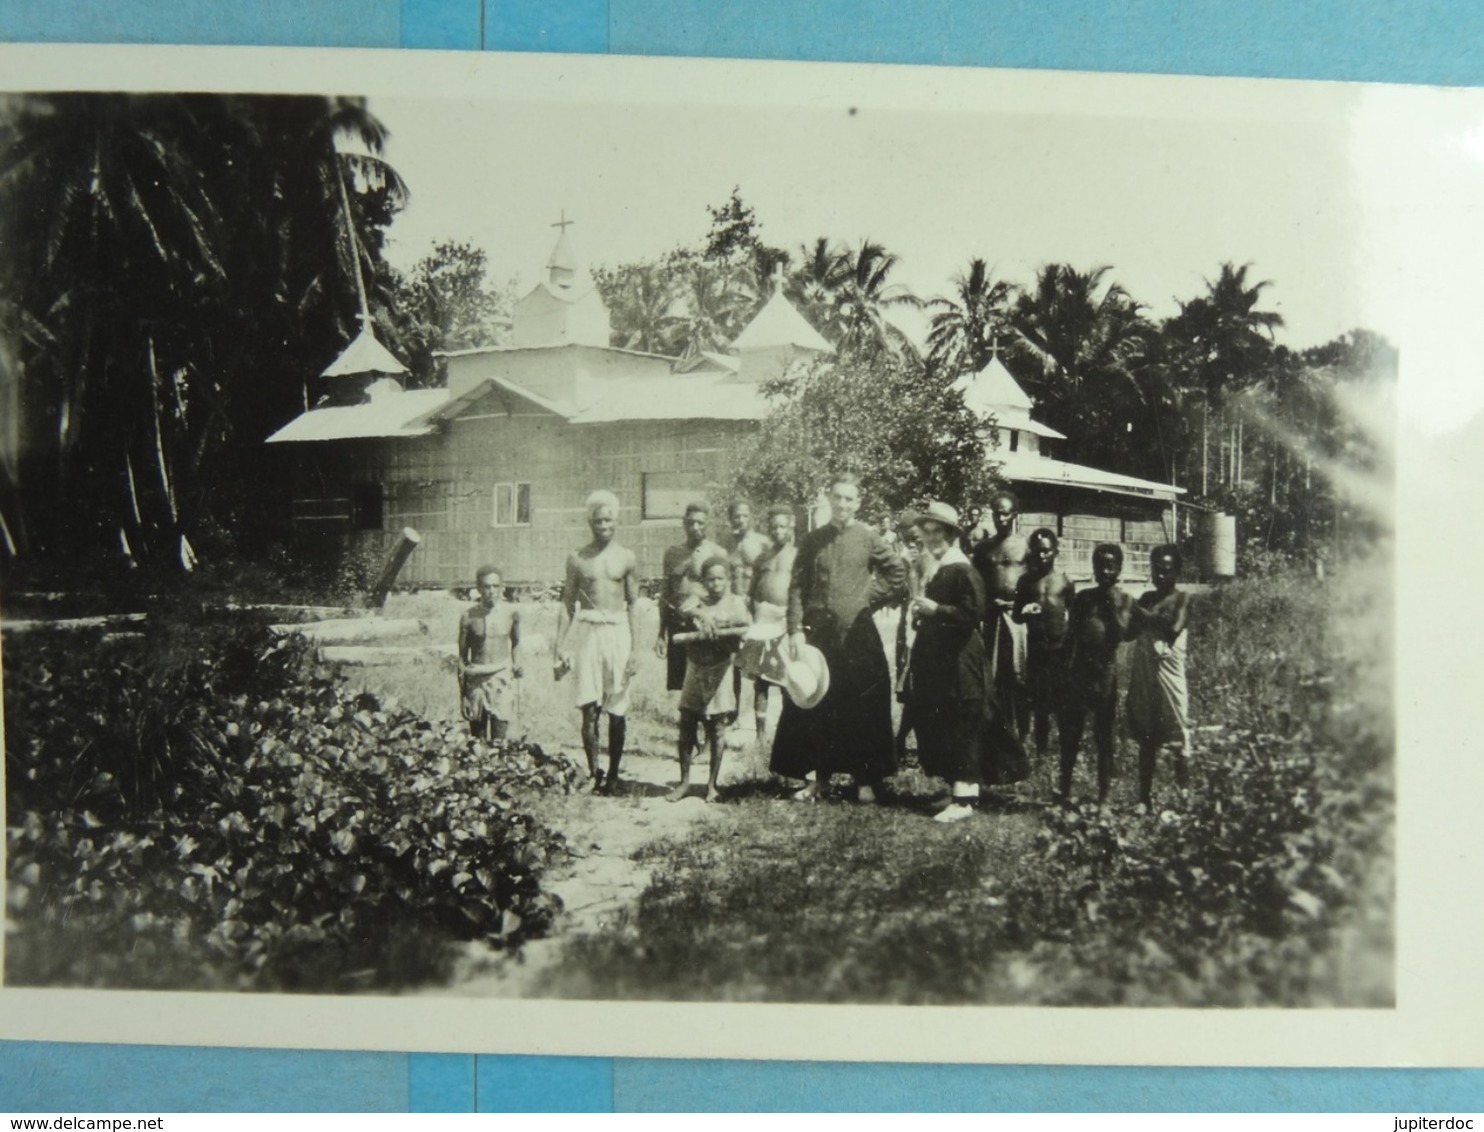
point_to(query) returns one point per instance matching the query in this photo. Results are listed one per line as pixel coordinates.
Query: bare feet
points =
(713, 794)
(596, 783)
(678, 793)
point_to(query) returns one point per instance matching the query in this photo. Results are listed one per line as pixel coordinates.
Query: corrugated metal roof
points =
(1026, 467)
(364, 355)
(390, 415)
(780, 324)
(694, 397)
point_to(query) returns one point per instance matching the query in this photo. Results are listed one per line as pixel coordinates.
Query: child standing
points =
(1043, 599)
(708, 697)
(1098, 624)
(489, 632)
(1158, 696)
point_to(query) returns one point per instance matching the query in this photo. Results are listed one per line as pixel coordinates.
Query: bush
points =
(205, 806)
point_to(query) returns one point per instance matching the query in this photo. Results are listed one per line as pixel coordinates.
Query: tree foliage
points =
(446, 302)
(178, 268)
(966, 327)
(830, 418)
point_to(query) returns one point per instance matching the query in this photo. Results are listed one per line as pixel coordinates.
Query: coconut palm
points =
(1225, 344)
(639, 297)
(812, 286)
(964, 330)
(845, 292)
(711, 305)
(180, 263)
(1079, 347)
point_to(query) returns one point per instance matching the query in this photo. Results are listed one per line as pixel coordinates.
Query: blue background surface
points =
(1434, 42)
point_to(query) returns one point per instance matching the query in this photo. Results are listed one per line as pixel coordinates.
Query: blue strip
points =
(280, 23)
(450, 25)
(544, 1084)
(778, 1086)
(1435, 41)
(440, 1082)
(531, 25)
(68, 1076)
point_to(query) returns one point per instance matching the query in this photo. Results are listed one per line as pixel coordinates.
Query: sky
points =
(1160, 179)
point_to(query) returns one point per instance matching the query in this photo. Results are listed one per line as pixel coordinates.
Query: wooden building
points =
(496, 466)
(1085, 506)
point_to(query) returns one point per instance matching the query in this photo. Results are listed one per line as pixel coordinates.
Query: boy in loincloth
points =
(1158, 696)
(1043, 597)
(681, 581)
(771, 572)
(489, 632)
(1098, 624)
(708, 698)
(595, 635)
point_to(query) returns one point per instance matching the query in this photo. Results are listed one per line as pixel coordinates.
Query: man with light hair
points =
(595, 634)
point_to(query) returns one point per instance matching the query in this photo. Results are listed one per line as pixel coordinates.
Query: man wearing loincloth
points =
(761, 658)
(595, 634)
(1000, 559)
(489, 632)
(842, 575)
(1158, 710)
(681, 583)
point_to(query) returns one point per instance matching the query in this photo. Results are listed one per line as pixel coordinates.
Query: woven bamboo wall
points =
(444, 487)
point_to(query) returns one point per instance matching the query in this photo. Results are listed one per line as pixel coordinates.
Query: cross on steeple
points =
(563, 222)
(778, 277)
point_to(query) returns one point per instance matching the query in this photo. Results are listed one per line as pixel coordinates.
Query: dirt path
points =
(602, 877)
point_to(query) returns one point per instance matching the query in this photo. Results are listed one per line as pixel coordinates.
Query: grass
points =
(831, 903)
(1270, 884)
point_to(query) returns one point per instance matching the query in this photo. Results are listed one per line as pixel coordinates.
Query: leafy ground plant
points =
(1267, 882)
(203, 806)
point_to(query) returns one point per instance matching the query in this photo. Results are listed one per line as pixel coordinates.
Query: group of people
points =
(994, 642)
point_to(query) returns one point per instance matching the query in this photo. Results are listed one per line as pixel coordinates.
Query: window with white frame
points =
(512, 505)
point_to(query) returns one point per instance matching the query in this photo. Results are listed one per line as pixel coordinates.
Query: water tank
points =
(1216, 545)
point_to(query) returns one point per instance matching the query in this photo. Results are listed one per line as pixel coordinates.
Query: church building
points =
(496, 465)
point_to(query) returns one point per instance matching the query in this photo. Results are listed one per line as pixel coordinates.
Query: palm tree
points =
(1226, 343)
(812, 286)
(845, 292)
(864, 297)
(709, 307)
(1079, 347)
(178, 263)
(962, 334)
(639, 297)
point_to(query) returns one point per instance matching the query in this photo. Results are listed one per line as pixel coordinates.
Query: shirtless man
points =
(769, 595)
(1042, 602)
(747, 546)
(1158, 706)
(1097, 624)
(682, 582)
(595, 634)
(1001, 562)
(489, 633)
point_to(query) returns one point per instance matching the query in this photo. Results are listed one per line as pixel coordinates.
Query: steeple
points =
(564, 308)
(561, 265)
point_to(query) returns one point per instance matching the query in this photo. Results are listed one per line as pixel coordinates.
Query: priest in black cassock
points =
(844, 572)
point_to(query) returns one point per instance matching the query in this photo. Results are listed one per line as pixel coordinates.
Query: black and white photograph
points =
(632, 533)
